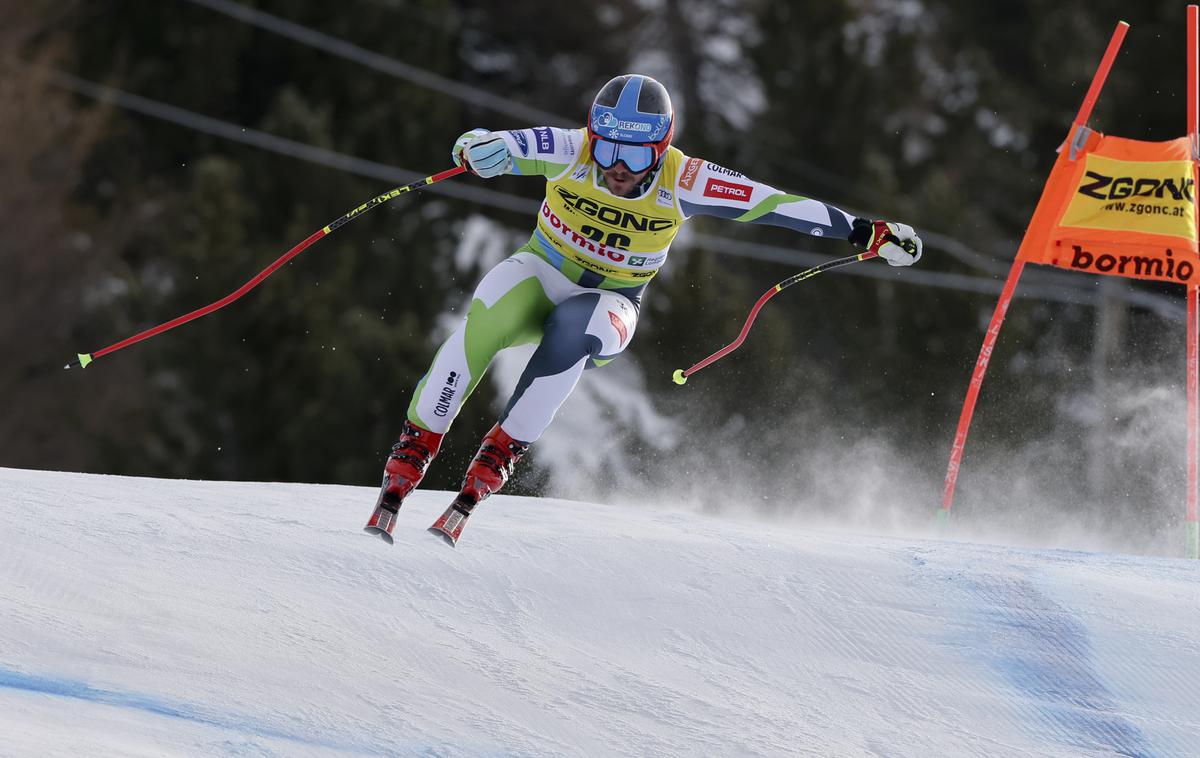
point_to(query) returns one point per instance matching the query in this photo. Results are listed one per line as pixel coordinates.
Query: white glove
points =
(484, 153)
(898, 244)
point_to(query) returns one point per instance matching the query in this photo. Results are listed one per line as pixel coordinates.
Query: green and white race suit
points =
(575, 288)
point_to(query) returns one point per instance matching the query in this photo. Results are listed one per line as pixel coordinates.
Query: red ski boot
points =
(488, 472)
(401, 475)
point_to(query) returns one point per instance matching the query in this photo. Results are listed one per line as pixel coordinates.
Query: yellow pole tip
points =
(678, 377)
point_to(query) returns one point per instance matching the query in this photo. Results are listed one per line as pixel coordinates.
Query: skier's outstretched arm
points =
(707, 189)
(539, 151)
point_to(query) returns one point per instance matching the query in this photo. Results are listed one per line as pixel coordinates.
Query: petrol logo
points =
(724, 190)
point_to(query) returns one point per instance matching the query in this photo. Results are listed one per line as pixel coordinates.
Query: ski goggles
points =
(637, 158)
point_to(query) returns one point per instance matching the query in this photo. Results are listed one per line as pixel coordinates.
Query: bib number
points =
(612, 239)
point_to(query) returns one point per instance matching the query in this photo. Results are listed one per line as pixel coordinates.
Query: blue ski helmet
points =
(631, 121)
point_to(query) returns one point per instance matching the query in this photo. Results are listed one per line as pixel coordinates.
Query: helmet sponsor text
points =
(607, 120)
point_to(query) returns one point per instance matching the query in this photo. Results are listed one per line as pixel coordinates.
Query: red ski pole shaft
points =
(83, 359)
(681, 375)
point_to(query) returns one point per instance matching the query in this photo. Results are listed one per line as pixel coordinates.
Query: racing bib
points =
(624, 239)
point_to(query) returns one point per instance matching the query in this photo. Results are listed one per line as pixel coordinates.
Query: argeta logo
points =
(522, 142)
(727, 190)
(690, 170)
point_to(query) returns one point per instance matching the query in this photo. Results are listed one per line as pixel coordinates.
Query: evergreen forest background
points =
(941, 114)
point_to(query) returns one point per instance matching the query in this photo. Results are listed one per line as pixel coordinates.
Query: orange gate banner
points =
(1120, 207)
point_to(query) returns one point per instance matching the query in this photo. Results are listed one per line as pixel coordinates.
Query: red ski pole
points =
(680, 376)
(83, 359)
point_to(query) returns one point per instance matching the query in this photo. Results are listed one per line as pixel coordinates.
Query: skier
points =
(617, 193)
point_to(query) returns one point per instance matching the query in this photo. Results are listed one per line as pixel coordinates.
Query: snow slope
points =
(151, 617)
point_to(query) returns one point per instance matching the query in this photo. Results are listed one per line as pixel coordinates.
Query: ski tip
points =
(446, 537)
(383, 535)
(678, 377)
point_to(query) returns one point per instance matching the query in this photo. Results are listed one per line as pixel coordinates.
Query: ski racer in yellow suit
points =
(617, 193)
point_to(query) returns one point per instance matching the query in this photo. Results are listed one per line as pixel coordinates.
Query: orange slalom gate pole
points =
(968, 409)
(1093, 93)
(1193, 375)
(1006, 295)
(1193, 296)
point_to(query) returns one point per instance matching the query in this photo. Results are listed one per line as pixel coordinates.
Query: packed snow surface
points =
(153, 617)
